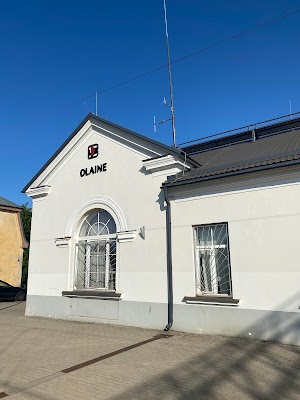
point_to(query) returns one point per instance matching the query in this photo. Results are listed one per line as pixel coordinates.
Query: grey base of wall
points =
(276, 326)
(130, 313)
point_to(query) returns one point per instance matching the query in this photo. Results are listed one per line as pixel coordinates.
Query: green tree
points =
(26, 222)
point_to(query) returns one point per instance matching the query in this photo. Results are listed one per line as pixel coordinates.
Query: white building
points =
(129, 231)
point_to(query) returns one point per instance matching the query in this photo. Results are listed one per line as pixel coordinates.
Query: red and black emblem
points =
(93, 151)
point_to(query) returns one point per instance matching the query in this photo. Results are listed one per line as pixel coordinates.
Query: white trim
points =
(164, 163)
(96, 202)
(145, 153)
(62, 242)
(233, 191)
(38, 192)
(234, 187)
(167, 172)
(77, 141)
(67, 157)
(127, 236)
(211, 303)
(63, 157)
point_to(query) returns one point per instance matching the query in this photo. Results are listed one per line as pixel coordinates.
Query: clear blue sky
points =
(54, 53)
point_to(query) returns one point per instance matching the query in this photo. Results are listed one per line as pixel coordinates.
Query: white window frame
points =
(107, 239)
(211, 249)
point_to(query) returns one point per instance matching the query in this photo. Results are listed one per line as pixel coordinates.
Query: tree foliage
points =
(26, 222)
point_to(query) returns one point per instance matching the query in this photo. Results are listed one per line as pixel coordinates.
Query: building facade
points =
(127, 230)
(12, 243)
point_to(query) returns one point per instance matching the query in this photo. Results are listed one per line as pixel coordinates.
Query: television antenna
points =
(171, 106)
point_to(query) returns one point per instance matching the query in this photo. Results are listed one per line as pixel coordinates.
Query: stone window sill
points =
(93, 294)
(211, 300)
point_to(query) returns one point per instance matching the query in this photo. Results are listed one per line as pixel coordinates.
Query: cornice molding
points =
(38, 192)
(62, 242)
(127, 236)
(141, 145)
(164, 163)
(265, 180)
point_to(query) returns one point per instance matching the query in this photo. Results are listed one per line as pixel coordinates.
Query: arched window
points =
(98, 223)
(96, 252)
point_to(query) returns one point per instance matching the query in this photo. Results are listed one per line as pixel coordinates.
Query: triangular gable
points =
(147, 147)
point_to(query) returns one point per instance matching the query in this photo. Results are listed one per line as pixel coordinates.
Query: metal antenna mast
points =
(96, 103)
(170, 79)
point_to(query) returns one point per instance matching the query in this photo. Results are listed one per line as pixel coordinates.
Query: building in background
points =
(12, 242)
(127, 230)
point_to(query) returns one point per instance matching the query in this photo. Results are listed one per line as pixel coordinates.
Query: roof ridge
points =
(243, 136)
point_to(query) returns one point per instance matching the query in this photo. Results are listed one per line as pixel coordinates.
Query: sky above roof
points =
(56, 55)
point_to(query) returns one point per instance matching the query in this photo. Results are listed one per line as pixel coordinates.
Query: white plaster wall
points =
(142, 263)
(263, 229)
(263, 216)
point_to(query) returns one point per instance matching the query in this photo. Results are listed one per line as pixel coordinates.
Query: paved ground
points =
(35, 351)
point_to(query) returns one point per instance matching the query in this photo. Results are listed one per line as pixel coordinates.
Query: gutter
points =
(169, 261)
(192, 180)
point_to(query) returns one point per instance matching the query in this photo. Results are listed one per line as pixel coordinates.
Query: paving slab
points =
(46, 359)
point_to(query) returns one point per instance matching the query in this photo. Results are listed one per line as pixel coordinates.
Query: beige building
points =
(12, 243)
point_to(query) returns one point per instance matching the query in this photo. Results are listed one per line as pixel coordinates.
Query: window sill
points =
(93, 294)
(211, 300)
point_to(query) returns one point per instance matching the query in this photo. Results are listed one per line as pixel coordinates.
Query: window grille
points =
(212, 259)
(96, 252)
(96, 264)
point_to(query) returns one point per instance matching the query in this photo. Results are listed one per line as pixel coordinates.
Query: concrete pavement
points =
(45, 359)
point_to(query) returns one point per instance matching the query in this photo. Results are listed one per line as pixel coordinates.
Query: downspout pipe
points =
(169, 261)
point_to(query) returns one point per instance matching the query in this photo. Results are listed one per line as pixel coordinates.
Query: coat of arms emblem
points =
(93, 151)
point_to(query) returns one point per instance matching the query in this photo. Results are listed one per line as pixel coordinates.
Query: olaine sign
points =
(93, 170)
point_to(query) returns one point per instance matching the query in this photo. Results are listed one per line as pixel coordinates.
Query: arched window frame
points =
(98, 235)
(95, 259)
(73, 227)
(93, 203)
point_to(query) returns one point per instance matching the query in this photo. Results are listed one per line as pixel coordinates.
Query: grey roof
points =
(238, 153)
(90, 116)
(7, 203)
(266, 147)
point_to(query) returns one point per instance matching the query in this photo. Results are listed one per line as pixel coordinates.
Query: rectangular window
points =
(96, 264)
(212, 260)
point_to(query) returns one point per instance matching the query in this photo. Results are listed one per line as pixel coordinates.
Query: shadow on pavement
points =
(236, 369)
(232, 368)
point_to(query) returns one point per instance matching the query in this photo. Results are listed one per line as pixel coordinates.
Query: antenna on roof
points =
(172, 118)
(290, 108)
(97, 103)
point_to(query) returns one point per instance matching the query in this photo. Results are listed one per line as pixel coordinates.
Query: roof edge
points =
(11, 208)
(94, 117)
(170, 184)
(174, 150)
(7, 203)
(70, 137)
(215, 141)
